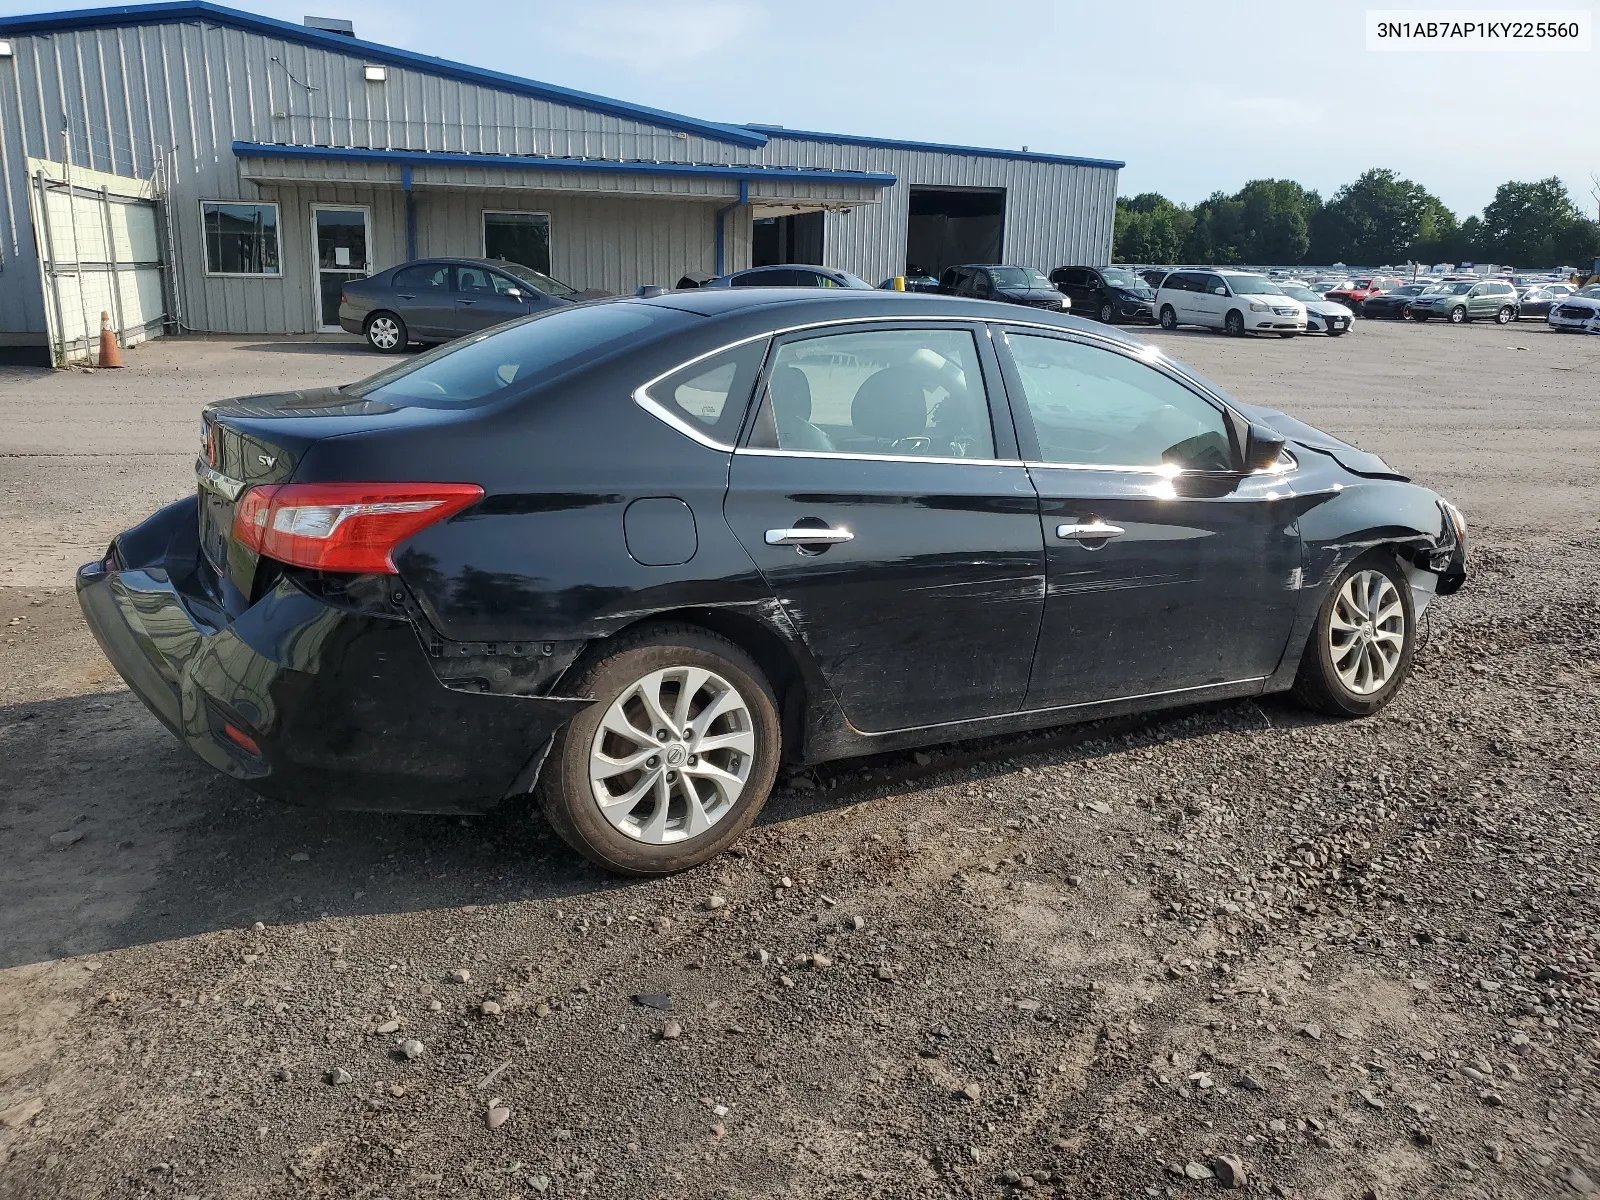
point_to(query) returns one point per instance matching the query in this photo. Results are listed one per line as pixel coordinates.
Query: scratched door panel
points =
(1195, 590)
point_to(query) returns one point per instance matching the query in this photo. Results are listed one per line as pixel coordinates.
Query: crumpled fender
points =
(1351, 458)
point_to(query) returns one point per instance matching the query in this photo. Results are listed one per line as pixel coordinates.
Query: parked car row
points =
(434, 300)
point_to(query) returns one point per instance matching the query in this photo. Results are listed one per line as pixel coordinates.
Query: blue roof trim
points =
(851, 139)
(596, 166)
(182, 11)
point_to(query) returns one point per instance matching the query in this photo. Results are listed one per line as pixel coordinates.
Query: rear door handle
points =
(467, 302)
(1094, 530)
(808, 537)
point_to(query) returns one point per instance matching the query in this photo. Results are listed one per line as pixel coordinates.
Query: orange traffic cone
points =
(110, 352)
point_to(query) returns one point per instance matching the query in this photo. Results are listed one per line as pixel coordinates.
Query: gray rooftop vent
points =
(331, 25)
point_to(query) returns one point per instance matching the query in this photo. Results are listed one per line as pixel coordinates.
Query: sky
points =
(1195, 98)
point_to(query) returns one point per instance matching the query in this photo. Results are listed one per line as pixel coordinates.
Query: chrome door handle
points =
(1095, 529)
(808, 537)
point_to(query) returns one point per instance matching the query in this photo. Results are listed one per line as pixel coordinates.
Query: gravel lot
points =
(1237, 945)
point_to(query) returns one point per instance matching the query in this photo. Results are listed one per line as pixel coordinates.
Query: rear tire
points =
(1233, 323)
(1360, 648)
(649, 823)
(386, 333)
(1169, 317)
(1505, 316)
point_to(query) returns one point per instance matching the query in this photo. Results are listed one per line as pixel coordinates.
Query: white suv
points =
(1235, 301)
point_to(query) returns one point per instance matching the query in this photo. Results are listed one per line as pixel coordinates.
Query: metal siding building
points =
(208, 104)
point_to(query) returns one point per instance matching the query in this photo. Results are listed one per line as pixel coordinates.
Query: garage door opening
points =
(796, 238)
(954, 225)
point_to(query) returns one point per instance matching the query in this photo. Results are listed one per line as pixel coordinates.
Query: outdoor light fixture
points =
(5, 48)
(376, 74)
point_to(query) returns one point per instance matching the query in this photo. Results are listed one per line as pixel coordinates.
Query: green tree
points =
(1150, 229)
(1536, 225)
(1218, 234)
(1378, 218)
(1275, 220)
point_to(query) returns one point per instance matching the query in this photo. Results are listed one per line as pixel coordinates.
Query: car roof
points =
(805, 305)
(789, 267)
(462, 262)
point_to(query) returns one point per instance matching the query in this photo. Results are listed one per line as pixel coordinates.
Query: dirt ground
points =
(1235, 945)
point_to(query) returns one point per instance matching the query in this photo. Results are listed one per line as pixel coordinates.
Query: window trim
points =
(549, 226)
(666, 414)
(1089, 337)
(277, 233)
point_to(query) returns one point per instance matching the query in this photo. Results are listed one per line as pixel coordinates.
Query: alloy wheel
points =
(672, 755)
(1367, 632)
(1106, 313)
(384, 333)
(1457, 315)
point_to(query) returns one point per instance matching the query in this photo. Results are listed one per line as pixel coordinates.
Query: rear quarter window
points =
(710, 396)
(480, 369)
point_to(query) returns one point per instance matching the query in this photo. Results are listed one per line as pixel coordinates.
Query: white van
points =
(1235, 301)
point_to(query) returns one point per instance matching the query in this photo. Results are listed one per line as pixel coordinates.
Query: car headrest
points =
(890, 405)
(791, 394)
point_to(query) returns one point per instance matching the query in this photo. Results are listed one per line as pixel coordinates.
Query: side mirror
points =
(1219, 291)
(514, 293)
(1262, 448)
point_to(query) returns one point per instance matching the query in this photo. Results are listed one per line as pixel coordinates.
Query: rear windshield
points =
(474, 370)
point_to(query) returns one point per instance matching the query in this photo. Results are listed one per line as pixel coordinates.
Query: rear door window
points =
(424, 277)
(915, 393)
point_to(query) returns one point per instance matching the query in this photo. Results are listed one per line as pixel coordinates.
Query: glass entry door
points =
(341, 241)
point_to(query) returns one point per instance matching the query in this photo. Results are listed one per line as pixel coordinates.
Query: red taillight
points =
(242, 739)
(349, 527)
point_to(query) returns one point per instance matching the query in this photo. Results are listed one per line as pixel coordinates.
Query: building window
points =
(241, 239)
(518, 237)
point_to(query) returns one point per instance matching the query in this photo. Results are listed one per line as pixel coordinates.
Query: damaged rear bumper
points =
(303, 700)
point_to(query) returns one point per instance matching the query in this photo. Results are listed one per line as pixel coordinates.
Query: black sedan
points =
(436, 299)
(1110, 293)
(1392, 304)
(1007, 284)
(1538, 301)
(632, 556)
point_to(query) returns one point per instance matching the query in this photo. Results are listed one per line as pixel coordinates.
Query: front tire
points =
(1169, 317)
(1505, 316)
(1107, 313)
(672, 762)
(1458, 315)
(386, 333)
(1336, 332)
(1233, 323)
(1361, 646)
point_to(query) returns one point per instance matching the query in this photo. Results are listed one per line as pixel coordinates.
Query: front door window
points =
(341, 244)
